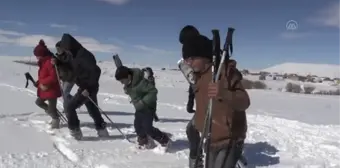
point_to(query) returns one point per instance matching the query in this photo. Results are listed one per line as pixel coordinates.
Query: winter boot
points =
(102, 131)
(192, 163)
(55, 123)
(76, 133)
(164, 141)
(142, 142)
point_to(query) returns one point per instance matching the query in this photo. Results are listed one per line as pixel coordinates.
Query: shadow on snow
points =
(260, 154)
(121, 113)
(257, 154)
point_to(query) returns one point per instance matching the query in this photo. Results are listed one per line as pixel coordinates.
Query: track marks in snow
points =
(61, 141)
(28, 92)
(269, 141)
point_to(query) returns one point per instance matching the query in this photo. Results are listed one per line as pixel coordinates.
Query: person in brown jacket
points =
(230, 100)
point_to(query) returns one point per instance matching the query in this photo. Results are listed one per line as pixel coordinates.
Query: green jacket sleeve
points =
(150, 94)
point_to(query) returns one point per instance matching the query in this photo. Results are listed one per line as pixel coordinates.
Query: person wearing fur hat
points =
(186, 33)
(192, 133)
(230, 101)
(48, 87)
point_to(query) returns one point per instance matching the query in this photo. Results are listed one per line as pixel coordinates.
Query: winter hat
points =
(187, 32)
(122, 73)
(41, 49)
(197, 46)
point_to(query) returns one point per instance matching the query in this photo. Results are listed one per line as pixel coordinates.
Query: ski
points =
(117, 61)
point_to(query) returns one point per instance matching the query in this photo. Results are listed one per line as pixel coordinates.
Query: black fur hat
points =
(122, 72)
(197, 46)
(187, 32)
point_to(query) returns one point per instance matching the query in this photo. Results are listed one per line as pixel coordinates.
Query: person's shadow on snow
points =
(178, 145)
(259, 154)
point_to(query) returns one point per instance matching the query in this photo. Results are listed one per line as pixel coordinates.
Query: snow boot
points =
(164, 141)
(192, 163)
(102, 133)
(76, 133)
(142, 142)
(146, 143)
(55, 123)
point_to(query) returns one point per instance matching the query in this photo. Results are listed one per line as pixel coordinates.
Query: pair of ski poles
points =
(94, 103)
(217, 61)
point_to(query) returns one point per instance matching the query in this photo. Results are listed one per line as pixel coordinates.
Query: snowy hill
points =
(285, 130)
(320, 70)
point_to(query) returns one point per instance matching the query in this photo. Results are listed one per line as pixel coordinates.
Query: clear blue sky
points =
(146, 31)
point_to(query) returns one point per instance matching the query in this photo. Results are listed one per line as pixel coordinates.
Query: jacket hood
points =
(69, 43)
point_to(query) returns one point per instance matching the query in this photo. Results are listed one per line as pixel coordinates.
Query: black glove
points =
(190, 106)
(191, 100)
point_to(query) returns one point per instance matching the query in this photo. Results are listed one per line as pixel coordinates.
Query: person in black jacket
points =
(87, 74)
(192, 134)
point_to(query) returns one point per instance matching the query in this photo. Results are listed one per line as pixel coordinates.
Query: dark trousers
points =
(144, 126)
(50, 108)
(226, 157)
(194, 139)
(78, 100)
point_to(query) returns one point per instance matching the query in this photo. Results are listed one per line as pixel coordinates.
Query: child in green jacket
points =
(143, 96)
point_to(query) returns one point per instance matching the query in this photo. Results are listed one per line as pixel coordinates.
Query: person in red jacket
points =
(48, 87)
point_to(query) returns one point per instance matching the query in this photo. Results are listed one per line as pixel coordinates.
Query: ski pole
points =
(63, 118)
(101, 111)
(208, 118)
(62, 94)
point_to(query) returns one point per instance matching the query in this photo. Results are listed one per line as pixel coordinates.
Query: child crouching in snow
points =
(48, 87)
(143, 96)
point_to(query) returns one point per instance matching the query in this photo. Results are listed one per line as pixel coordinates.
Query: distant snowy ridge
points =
(320, 70)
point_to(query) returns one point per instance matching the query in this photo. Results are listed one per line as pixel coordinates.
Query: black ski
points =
(117, 61)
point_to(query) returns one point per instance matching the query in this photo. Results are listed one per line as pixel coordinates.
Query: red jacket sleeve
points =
(52, 76)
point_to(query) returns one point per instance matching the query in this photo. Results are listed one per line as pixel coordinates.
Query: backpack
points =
(149, 75)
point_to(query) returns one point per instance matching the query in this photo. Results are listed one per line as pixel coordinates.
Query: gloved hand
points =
(35, 84)
(43, 87)
(85, 93)
(139, 105)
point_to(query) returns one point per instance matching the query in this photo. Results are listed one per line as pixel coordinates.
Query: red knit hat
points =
(41, 49)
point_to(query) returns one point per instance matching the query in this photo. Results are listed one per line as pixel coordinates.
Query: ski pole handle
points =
(216, 52)
(216, 42)
(227, 45)
(229, 40)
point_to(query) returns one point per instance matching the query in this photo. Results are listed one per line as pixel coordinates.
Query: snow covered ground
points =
(278, 85)
(321, 70)
(285, 130)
